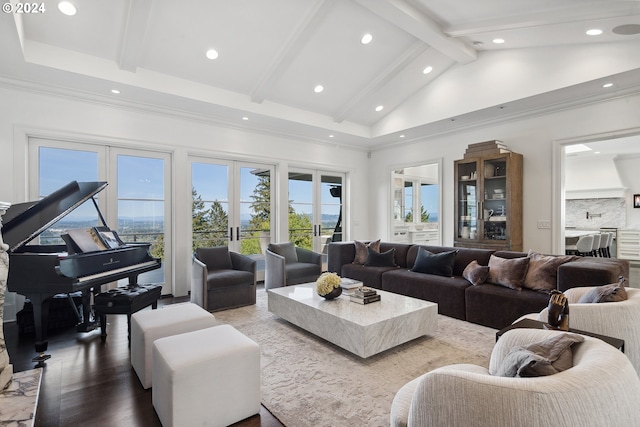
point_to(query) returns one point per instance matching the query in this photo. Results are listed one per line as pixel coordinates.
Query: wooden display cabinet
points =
(488, 194)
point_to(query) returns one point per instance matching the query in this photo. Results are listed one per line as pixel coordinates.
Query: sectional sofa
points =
(485, 303)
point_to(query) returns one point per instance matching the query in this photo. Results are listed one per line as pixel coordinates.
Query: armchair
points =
(222, 279)
(286, 264)
(614, 319)
(600, 389)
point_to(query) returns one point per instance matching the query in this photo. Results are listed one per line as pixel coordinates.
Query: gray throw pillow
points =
(287, 250)
(361, 250)
(615, 292)
(475, 273)
(440, 264)
(546, 357)
(216, 258)
(384, 259)
(508, 272)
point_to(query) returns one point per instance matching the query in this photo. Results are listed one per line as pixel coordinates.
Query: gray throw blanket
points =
(542, 358)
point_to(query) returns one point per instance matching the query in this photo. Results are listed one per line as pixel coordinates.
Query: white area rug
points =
(307, 381)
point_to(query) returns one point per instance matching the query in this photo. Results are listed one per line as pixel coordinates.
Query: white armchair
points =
(601, 389)
(614, 319)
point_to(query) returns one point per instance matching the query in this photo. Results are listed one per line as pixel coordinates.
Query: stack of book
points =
(365, 295)
(349, 286)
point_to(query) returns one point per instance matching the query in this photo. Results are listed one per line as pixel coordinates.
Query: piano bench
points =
(125, 300)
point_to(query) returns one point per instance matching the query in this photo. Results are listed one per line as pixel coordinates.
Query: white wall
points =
(532, 137)
(29, 113)
(629, 170)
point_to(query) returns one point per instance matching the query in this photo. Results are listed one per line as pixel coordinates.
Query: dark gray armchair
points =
(222, 279)
(286, 264)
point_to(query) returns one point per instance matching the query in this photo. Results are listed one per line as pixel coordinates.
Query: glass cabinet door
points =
(468, 201)
(494, 207)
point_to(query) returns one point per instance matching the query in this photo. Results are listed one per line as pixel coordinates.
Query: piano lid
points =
(23, 222)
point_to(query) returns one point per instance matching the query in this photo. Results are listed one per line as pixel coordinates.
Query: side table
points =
(534, 324)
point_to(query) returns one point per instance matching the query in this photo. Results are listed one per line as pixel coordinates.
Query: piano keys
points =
(40, 271)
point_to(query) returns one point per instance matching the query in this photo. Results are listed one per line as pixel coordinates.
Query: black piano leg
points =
(103, 327)
(88, 323)
(41, 320)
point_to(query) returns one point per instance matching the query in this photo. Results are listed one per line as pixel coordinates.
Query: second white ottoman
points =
(149, 325)
(208, 377)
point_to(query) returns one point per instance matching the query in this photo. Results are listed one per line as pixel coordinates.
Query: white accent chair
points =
(601, 389)
(614, 319)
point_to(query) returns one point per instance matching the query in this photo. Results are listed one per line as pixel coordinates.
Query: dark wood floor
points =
(87, 382)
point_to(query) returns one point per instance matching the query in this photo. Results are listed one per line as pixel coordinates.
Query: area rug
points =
(307, 381)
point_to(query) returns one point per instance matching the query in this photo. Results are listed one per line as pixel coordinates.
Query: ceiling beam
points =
(545, 18)
(133, 34)
(413, 21)
(296, 42)
(381, 79)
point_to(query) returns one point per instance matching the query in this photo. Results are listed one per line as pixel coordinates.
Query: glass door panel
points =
(330, 211)
(254, 231)
(210, 188)
(56, 168)
(301, 196)
(142, 210)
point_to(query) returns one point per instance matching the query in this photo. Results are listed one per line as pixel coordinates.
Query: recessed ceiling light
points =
(318, 89)
(366, 39)
(427, 70)
(380, 108)
(212, 54)
(245, 118)
(607, 85)
(116, 91)
(596, 152)
(330, 136)
(498, 41)
(594, 32)
(67, 8)
(401, 136)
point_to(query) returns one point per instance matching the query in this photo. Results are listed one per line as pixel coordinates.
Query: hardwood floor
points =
(87, 382)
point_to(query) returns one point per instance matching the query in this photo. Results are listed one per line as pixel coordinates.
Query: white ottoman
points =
(149, 325)
(208, 377)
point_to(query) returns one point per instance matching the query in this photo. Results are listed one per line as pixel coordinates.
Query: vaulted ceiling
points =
(273, 54)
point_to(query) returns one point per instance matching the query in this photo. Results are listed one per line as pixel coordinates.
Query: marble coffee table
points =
(363, 330)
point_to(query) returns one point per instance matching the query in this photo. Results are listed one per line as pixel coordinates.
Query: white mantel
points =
(6, 369)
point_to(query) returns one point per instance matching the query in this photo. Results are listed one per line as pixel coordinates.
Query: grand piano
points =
(41, 271)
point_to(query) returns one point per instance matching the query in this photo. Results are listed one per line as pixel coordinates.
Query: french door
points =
(136, 203)
(316, 205)
(232, 205)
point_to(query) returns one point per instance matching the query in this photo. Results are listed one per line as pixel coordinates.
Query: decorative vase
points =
(336, 292)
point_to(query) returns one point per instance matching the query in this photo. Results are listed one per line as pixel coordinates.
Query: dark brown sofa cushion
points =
(496, 306)
(447, 292)
(475, 273)
(362, 250)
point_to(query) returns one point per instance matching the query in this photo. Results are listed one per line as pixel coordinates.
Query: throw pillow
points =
(542, 274)
(440, 264)
(475, 273)
(216, 258)
(361, 250)
(377, 259)
(287, 250)
(615, 292)
(508, 272)
(546, 357)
